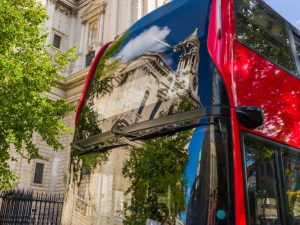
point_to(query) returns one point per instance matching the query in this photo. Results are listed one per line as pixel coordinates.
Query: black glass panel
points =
(291, 164)
(183, 178)
(262, 30)
(261, 182)
(56, 41)
(38, 174)
(209, 198)
(89, 58)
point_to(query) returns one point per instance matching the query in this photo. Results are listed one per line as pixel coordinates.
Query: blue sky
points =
(289, 9)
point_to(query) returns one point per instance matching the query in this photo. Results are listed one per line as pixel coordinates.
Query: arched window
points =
(93, 32)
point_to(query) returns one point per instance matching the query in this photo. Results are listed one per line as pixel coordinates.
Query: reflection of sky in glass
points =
(194, 157)
(289, 9)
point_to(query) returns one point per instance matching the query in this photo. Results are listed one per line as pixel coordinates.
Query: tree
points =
(27, 71)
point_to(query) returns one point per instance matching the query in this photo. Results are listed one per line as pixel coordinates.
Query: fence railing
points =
(20, 207)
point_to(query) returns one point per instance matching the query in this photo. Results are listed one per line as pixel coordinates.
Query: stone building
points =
(86, 24)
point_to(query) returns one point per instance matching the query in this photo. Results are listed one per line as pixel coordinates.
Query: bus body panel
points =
(247, 78)
(89, 79)
(178, 22)
(220, 46)
(254, 81)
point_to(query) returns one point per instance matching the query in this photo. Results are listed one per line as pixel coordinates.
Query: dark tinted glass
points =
(89, 58)
(56, 41)
(262, 30)
(183, 178)
(38, 174)
(209, 192)
(298, 50)
(261, 182)
(291, 164)
(297, 42)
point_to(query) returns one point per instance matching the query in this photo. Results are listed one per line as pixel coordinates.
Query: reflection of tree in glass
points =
(88, 122)
(291, 173)
(256, 155)
(87, 125)
(156, 173)
(261, 180)
(263, 31)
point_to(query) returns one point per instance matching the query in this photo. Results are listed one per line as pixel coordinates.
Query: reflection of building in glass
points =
(205, 183)
(147, 88)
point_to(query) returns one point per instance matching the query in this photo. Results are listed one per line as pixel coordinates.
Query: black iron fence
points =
(19, 207)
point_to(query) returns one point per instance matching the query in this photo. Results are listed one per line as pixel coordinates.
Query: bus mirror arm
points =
(250, 116)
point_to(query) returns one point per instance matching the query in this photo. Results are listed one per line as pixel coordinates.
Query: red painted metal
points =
(89, 79)
(221, 49)
(252, 80)
(261, 83)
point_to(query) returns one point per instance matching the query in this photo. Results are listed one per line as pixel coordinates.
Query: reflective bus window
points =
(208, 191)
(297, 43)
(291, 164)
(298, 50)
(192, 187)
(262, 184)
(264, 31)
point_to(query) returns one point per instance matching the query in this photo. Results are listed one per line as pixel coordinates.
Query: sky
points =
(289, 9)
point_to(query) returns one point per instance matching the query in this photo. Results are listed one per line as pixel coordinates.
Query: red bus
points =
(204, 96)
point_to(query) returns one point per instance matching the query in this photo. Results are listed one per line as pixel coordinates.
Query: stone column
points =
(129, 13)
(50, 9)
(80, 61)
(114, 19)
(160, 2)
(140, 9)
(151, 5)
(101, 28)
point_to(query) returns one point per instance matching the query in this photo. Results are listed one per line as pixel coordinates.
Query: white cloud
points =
(151, 39)
(298, 21)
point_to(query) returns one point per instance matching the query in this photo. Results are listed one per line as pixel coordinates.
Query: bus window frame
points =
(280, 177)
(288, 27)
(292, 32)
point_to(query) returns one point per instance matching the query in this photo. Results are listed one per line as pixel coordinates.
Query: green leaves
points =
(27, 71)
(156, 174)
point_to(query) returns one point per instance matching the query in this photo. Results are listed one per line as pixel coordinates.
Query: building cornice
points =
(71, 88)
(93, 10)
(73, 80)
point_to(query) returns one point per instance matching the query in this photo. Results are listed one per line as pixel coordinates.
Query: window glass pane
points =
(38, 174)
(56, 41)
(208, 194)
(265, 32)
(289, 9)
(89, 58)
(298, 50)
(291, 164)
(297, 42)
(261, 182)
(184, 178)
